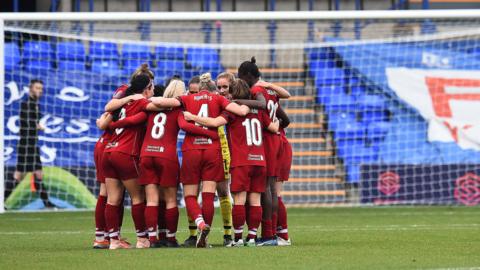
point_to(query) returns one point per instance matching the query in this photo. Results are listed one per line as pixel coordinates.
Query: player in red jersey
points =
(120, 163)
(249, 72)
(248, 160)
(202, 159)
(159, 165)
(280, 226)
(101, 236)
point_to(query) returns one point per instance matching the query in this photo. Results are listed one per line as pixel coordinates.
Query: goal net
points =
(383, 111)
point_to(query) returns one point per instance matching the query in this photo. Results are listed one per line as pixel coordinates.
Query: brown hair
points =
(206, 83)
(227, 75)
(143, 69)
(240, 89)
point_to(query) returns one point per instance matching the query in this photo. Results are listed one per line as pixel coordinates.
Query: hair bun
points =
(253, 60)
(205, 77)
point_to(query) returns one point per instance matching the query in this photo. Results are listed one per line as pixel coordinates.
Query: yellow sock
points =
(192, 227)
(226, 208)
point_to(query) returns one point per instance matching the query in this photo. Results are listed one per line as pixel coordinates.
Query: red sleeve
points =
(264, 118)
(120, 92)
(194, 129)
(223, 101)
(256, 90)
(143, 104)
(228, 116)
(182, 100)
(133, 120)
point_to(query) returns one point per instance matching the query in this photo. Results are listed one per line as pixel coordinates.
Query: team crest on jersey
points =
(112, 145)
(254, 111)
(271, 92)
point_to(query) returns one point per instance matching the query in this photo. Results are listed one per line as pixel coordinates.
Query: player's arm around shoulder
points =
(205, 121)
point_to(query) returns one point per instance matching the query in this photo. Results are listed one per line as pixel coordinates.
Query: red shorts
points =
(272, 153)
(201, 165)
(248, 178)
(157, 170)
(285, 161)
(120, 166)
(97, 157)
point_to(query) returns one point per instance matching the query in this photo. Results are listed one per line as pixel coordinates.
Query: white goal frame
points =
(203, 16)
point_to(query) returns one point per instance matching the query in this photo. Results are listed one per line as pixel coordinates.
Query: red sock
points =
(282, 229)
(151, 219)
(112, 220)
(193, 209)
(254, 219)
(274, 223)
(267, 229)
(238, 218)
(138, 215)
(171, 217)
(162, 226)
(208, 209)
(100, 218)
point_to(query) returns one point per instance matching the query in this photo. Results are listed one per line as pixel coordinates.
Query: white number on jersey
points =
(272, 109)
(203, 113)
(123, 114)
(158, 128)
(253, 129)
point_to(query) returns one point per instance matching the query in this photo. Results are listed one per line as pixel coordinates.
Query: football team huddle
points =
(235, 144)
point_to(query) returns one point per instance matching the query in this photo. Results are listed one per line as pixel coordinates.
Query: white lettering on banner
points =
(47, 154)
(433, 60)
(13, 124)
(15, 93)
(51, 123)
(449, 100)
(7, 152)
(71, 93)
(78, 126)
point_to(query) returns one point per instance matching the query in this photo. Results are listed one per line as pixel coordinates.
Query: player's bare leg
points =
(267, 209)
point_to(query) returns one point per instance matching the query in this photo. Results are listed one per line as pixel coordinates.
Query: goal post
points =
(382, 107)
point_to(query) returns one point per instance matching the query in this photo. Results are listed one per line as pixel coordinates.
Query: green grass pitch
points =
(323, 238)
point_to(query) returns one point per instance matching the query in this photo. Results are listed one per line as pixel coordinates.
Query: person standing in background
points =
(28, 152)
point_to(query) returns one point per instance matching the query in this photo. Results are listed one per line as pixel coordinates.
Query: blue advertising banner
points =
(420, 184)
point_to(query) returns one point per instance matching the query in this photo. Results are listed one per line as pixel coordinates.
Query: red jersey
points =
(161, 135)
(270, 97)
(119, 93)
(203, 104)
(128, 140)
(245, 136)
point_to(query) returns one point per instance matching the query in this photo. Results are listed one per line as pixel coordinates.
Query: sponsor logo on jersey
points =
(202, 141)
(255, 157)
(153, 148)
